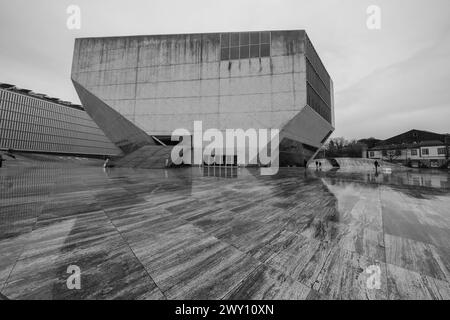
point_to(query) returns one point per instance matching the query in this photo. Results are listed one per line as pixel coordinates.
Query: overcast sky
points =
(386, 81)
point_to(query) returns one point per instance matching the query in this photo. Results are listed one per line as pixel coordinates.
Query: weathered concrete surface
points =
(211, 233)
(165, 82)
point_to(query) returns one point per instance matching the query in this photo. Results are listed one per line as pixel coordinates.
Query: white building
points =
(420, 153)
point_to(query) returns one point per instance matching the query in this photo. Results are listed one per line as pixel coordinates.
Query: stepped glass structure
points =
(36, 123)
(139, 89)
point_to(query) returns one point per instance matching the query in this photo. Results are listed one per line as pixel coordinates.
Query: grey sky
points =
(386, 81)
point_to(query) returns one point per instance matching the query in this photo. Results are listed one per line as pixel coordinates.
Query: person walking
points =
(106, 164)
(317, 165)
(376, 164)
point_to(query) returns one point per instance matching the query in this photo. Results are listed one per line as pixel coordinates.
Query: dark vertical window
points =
(225, 46)
(244, 52)
(265, 37)
(265, 50)
(234, 53)
(254, 38)
(244, 39)
(318, 83)
(234, 46)
(254, 51)
(234, 40)
(244, 49)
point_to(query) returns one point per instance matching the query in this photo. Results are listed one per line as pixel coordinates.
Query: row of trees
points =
(341, 147)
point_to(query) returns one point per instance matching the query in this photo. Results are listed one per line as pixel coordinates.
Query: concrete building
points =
(32, 122)
(415, 148)
(139, 89)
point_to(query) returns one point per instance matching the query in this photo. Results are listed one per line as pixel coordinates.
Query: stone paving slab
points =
(187, 234)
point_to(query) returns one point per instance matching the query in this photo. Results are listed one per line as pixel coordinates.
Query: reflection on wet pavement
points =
(205, 233)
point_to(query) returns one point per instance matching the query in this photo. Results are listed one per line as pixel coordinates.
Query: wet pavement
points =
(215, 233)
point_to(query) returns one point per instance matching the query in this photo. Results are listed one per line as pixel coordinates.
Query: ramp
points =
(354, 164)
(149, 156)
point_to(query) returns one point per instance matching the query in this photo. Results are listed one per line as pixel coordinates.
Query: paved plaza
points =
(215, 233)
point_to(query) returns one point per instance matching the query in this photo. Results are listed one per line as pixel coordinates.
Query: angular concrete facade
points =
(140, 87)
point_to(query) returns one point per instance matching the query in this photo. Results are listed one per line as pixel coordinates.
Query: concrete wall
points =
(162, 83)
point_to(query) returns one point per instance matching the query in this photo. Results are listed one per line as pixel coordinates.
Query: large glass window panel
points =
(254, 37)
(225, 54)
(244, 39)
(234, 40)
(234, 53)
(265, 50)
(244, 52)
(254, 51)
(265, 37)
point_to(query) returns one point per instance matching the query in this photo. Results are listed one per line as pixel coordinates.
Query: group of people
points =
(318, 165)
(107, 164)
(376, 164)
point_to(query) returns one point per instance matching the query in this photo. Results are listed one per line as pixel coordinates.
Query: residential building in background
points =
(415, 148)
(32, 122)
(139, 89)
